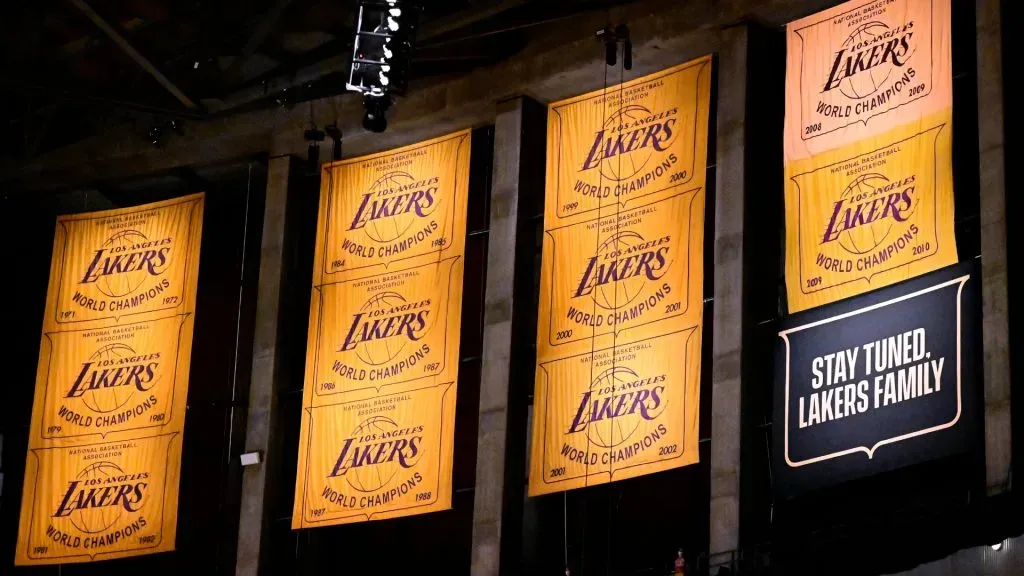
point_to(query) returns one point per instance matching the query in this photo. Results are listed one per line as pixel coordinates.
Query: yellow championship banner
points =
(393, 210)
(100, 381)
(116, 265)
(104, 455)
(868, 148)
(616, 413)
(621, 292)
(629, 273)
(384, 456)
(101, 501)
(378, 420)
(394, 329)
(629, 142)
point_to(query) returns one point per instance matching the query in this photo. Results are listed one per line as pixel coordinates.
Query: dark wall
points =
(218, 381)
(1014, 151)
(764, 282)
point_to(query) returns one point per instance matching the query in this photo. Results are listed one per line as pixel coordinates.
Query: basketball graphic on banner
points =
(117, 285)
(373, 477)
(389, 228)
(623, 166)
(108, 398)
(866, 237)
(856, 86)
(381, 350)
(622, 291)
(612, 430)
(97, 518)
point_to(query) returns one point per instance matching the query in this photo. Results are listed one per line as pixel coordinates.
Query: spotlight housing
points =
(375, 118)
(380, 55)
(382, 46)
(611, 37)
(313, 137)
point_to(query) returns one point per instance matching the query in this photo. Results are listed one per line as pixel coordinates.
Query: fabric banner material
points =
(378, 418)
(621, 296)
(108, 416)
(868, 148)
(385, 456)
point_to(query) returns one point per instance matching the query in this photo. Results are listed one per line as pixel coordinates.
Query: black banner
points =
(877, 382)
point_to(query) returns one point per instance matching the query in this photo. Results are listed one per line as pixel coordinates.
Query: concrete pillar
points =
(727, 347)
(266, 375)
(501, 440)
(994, 314)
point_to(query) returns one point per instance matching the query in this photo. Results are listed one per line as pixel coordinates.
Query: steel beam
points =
(134, 54)
(259, 36)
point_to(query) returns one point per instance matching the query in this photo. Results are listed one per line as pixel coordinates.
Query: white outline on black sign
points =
(962, 280)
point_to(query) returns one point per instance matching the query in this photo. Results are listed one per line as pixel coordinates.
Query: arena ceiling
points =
(75, 67)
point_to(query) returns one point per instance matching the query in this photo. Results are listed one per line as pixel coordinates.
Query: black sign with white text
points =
(877, 382)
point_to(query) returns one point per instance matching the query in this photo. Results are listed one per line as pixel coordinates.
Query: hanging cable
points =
(603, 35)
(238, 316)
(615, 306)
(336, 135)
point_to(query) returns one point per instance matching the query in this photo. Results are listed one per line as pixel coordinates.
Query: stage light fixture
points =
(313, 137)
(622, 34)
(610, 51)
(380, 55)
(334, 132)
(611, 37)
(375, 118)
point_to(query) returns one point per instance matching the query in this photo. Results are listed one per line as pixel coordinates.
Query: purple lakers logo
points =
(112, 375)
(376, 451)
(620, 268)
(868, 210)
(629, 138)
(125, 261)
(384, 325)
(618, 401)
(867, 58)
(395, 202)
(95, 500)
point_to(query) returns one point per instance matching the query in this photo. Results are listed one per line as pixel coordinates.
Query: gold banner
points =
(104, 456)
(616, 413)
(378, 419)
(621, 296)
(120, 264)
(112, 379)
(386, 331)
(631, 141)
(393, 210)
(637, 274)
(868, 148)
(384, 456)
